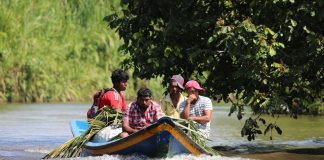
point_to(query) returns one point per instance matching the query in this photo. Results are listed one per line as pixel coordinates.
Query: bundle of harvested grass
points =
(191, 129)
(73, 147)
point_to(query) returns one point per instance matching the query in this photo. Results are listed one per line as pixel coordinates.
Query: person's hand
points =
(191, 98)
(191, 118)
(147, 124)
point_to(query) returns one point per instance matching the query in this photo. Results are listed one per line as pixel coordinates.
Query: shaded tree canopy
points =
(268, 54)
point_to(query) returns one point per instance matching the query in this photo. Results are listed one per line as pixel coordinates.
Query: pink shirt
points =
(138, 118)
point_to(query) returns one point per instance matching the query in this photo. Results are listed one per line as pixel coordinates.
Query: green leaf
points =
(269, 127)
(268, 30)
(272, 51)
(279, 131)
(265, 103)
(306, 29)
(293, 22)
(313, 13)
(262, 120)
(276, 65)
(167, 51)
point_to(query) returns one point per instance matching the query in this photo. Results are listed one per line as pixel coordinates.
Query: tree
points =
(267, 54)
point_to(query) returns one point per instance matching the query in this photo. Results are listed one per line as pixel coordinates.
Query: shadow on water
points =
(278, 152)
(289, 154)
(313, 151)
(246, 149)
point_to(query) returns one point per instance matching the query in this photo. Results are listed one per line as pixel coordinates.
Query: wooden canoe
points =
(152, 141)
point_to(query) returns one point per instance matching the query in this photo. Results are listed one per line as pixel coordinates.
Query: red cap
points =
(194, 84)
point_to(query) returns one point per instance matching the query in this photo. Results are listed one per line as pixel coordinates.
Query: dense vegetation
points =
(58, 51)
(267, 54)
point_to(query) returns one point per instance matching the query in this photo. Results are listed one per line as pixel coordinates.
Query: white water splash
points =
(141, 157)
(38, 150)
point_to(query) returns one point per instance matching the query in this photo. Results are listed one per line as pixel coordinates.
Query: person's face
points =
(144, 102)
(192, 91)
(173, 88)
(121, 86)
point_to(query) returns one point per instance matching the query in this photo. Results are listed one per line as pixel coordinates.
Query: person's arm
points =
(163, 106)
(159, 113)
(124, 106)
(202, 119)
(127, 128)
(186, 110)
(125, 125)
(206, 117)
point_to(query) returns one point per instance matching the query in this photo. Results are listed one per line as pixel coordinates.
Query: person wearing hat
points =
(196, 107)
(170, 102)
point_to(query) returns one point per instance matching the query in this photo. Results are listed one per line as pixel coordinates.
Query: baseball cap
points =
(194, 84)
(179, 80)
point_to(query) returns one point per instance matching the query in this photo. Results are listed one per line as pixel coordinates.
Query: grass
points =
(58, 51)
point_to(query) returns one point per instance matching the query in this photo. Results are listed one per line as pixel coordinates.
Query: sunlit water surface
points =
(30, 131)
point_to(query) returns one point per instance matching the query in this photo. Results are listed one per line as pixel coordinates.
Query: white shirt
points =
(198, 109)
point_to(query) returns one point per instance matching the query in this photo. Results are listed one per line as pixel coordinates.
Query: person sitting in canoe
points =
(111, 97)
(140, 113)
(170, 103)
(197, 108)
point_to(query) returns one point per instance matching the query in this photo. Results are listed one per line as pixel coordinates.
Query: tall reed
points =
(57, 51)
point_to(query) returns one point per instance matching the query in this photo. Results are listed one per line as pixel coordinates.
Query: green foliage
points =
(191, 129)
(266, 53)
(57, 51)
(315, 108)
(250, 129)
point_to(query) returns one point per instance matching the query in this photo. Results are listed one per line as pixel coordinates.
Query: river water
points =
(29, 131)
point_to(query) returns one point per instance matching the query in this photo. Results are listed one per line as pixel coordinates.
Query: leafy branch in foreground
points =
(73, 147)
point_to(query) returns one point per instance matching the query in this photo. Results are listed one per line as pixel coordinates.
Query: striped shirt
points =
(137, 118)
(197, 110)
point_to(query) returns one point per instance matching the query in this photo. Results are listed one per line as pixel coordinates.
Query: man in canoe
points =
(197, 108)
(140, 113)
(170, 103)
(111, 97)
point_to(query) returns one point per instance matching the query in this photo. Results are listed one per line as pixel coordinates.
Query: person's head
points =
(193, 87)
(175, 84)
(119, 79)
(144, 97)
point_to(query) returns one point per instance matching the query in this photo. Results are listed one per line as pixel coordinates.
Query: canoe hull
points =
(153, 141)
